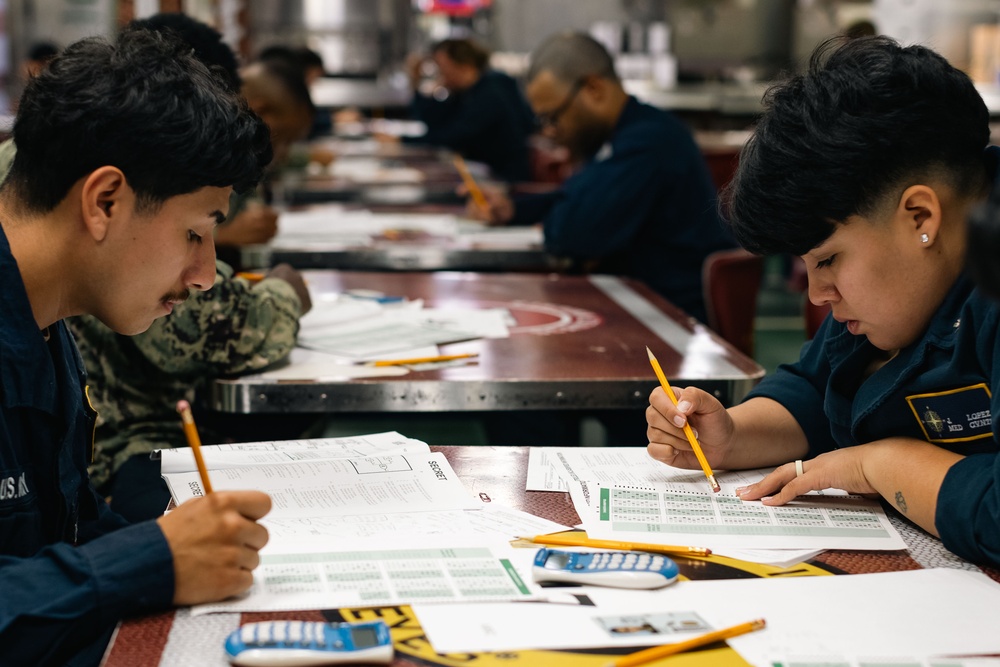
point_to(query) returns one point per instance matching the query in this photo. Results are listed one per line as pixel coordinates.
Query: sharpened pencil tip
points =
(650, 353)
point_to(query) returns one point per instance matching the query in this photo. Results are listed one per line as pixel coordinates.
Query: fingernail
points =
(766, 499)
(741, 490)
(679, 421)
(684, 406)
(695, 431)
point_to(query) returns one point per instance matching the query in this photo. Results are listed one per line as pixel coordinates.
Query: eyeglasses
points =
(552, 117)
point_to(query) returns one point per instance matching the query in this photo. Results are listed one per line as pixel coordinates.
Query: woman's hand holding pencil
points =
(712, 428)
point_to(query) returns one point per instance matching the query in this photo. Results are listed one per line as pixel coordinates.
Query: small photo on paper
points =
(654, 624)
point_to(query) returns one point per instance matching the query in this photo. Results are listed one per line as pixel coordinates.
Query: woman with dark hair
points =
(868, 167)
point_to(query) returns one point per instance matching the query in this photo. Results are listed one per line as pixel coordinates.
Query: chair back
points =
(731, 282)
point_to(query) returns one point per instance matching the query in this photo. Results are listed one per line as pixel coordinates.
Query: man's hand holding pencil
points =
(214, 541)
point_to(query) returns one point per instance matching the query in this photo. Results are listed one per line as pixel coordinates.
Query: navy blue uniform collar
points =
(24, 356)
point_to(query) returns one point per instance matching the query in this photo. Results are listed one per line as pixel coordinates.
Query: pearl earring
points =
(924, 238)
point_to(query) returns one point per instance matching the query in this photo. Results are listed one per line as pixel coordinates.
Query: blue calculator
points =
(298, 643)
(617, 569)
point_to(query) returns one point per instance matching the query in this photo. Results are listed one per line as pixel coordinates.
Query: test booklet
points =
(336, 487)
(919, 614)
(492, 523)
(287, 451)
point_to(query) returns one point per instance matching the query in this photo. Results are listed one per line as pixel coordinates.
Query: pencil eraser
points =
(183, 405)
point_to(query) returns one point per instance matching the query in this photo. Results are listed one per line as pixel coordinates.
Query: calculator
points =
(617, 569)
(299, 643)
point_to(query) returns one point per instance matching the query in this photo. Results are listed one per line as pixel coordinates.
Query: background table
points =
(497, 474)
(492, 249)
(579, 344)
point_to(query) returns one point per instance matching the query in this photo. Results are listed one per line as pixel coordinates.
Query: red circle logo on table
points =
(545, 319)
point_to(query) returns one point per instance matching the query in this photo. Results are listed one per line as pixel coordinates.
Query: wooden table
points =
(172, 639)
(579, 344)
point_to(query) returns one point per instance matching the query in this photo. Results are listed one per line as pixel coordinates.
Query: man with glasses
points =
(642, 203)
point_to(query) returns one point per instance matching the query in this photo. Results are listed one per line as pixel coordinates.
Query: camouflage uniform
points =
(7, 152)
(136, 381)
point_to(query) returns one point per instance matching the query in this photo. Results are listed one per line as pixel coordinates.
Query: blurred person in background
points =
(480, 112)
(642, 203)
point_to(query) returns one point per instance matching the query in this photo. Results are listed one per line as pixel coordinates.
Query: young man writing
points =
(127, 156)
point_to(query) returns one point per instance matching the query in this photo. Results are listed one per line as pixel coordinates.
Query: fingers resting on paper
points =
(841, 469)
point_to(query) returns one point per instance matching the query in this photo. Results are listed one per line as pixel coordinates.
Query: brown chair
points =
(731, 282)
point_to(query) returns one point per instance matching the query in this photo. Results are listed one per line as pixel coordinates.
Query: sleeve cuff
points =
(967, 516)
(133, 570)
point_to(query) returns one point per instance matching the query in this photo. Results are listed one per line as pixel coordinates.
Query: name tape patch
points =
(956, 415)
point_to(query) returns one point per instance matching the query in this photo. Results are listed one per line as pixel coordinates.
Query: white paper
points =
(371, 485)
(919, 613)
(684, 512)
(378, 577)
(373, 338)
(288, 451)
(356, 227)
(492, 522)
(549, 468)
(501, 237)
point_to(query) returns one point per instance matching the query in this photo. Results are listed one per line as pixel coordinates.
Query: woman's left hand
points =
(841, 469)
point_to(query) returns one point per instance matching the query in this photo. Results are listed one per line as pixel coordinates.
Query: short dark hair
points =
(464, 52)
(205, 40)
(868, 118)
(292, 80)
(144, 105)
(571, 57)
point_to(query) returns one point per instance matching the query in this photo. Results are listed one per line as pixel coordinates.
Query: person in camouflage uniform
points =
(136, 381)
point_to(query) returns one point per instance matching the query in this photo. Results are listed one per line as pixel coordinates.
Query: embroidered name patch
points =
(957, 415)
(14, 485)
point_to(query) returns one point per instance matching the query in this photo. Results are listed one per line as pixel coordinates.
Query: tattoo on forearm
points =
(901, 502)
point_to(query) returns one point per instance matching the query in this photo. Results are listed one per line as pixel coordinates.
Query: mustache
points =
(178, 297)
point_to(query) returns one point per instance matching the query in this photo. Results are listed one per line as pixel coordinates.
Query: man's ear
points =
(104, 195)
(919, 210)
(595, 87)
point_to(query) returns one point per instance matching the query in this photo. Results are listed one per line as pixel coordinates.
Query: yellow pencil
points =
(578, 539)
(687, 426)
(423, 360)
(184, 408)
(471, 185)
(657, 652)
